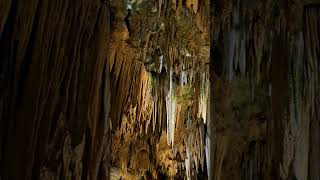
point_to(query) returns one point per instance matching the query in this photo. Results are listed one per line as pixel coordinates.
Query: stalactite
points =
(161, 63)
(201, 152)
(160, 6)
(230, 41)
(183, 77)
(208, 152)
(188, 163)
(204, 94)
(242, 54)
(171, 110)
(154, 121)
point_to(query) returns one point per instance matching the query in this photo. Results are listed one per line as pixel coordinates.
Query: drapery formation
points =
(54, 100)
(311, 86)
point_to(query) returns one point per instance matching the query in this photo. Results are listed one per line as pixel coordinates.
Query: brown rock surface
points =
(264, 49)
(156, 78)
(129, 90)
(54, 100)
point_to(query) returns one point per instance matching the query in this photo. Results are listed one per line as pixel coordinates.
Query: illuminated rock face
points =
(159, 93)
(127, 89)
(243, 114)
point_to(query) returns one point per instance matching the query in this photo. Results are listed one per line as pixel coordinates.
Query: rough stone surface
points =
(264, 104)
(158, 55)
(54, 100)
(156, 89)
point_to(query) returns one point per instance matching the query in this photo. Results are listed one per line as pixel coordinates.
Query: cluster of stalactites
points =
(195, 149)
(235, 53)
(235, 44)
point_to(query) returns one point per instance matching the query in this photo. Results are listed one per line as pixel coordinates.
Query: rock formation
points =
(159, 74)
(159, 89)
(55, 97)
(264, 78)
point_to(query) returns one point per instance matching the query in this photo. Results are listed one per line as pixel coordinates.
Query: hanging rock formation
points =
(157, 59)
(159, 89)
(55, 97)
(264, 78)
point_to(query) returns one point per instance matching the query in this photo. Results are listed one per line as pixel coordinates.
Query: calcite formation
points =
(54, 97)
(263, 84)
(159, 79)
(159, 89)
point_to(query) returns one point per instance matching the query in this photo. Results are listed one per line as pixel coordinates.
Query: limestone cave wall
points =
(159, 89)
(54, 100)
(264, 78)
(159, 74)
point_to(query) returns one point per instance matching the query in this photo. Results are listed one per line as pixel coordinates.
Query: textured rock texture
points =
(263, 117)
(264, 78)
(159, 89)
(55, 92)
(157, 60)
